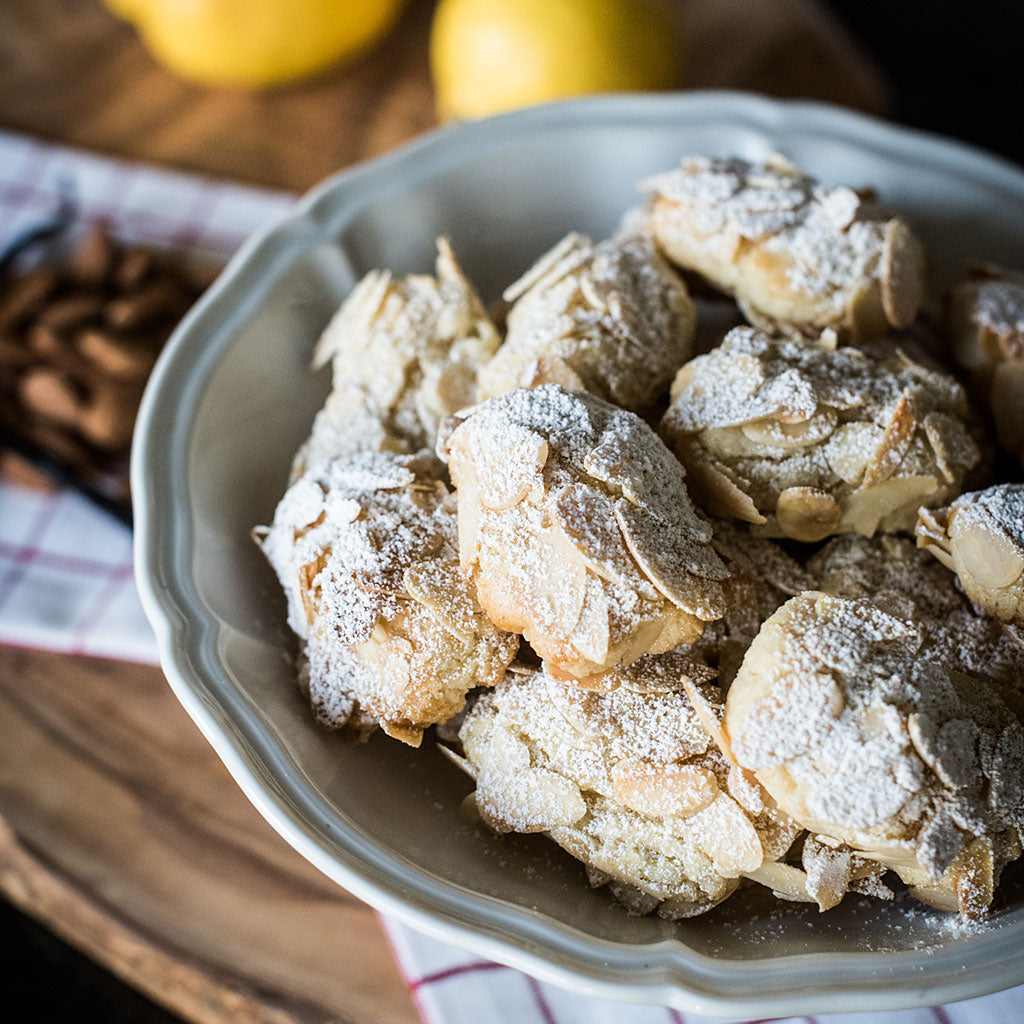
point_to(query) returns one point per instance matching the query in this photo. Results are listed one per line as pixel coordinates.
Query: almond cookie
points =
(796, 255)
(980, 537)
(761, 577)
(405, 354)
(807, 440)
(986, 326)
(365, 548)
(907, 582)
(612, 318)
(627, 781)
(862, 738)
(576, 527)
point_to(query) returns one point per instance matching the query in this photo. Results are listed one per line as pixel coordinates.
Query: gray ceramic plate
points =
(233, 397)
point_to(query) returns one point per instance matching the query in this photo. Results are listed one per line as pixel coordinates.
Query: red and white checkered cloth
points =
(66, 572)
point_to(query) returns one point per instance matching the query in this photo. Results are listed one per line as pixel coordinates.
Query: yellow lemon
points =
(493, 55)
(256, 42)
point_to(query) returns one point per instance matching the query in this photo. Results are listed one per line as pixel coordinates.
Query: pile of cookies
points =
(744, 617)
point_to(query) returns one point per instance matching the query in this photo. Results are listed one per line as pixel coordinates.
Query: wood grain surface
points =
(123, 832)
(127, 836)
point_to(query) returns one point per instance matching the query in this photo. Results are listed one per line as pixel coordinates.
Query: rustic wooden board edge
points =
(170, 977)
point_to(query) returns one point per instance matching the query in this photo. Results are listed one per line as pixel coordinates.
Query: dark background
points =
(953, 68)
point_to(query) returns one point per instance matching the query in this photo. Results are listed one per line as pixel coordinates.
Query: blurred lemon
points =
(256, 42)
(493, 55)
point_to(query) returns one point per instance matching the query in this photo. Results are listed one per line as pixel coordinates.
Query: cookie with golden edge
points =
(798, 256)
(577, 530)
(626, 779)
(365, 548)
(805, 440)
(405, 353)
(862, 738)
(611, 317)
(980, 537)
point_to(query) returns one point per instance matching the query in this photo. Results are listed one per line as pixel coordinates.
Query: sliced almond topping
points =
(559, 589)
(985, 553)
(572, 251)
(504, 486)
(902, 273)
(865, 314)
(592, 636)
(894, 444)
(922, 731)
(682, 381)
(931, 535)
(866, 508)
(807, 514)
(710, 718)
(829, 872)
(792, 436)
(974, 878)
(549, 370)
(587, 518)
(443, 590)
(532, 800)
(664, 791)
(468, 514)
(460, 762)
(937, 895)
(502, 746)
(785, 880)
(850, 448)
(671, 560)
(717, 492)
(599, 682)
(955, 450)
(410, 734)
(746, 790)
(726, 835)
(307, 587)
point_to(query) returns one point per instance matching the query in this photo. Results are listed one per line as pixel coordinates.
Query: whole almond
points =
(109, 418)
(24, 295)
(51, 395)
(159, 299)
(92, 260)
(133, 269)
(124, 358)
(72, 311)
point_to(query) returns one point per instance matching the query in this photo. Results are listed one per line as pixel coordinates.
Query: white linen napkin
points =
(66, 574)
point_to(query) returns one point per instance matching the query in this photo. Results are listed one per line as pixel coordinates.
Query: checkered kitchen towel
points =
(66, 570)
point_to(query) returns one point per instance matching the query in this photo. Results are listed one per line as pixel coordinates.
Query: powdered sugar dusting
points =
(872, 734)
(773, 414)
(1000, 306)
(585, 589)
(640, 761)
(1000, 508)
(830, 244)
(611, 318)
(366, 550)
(907, 582)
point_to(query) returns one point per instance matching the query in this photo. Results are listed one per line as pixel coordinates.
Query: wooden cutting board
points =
(119, 828)
(125, 834)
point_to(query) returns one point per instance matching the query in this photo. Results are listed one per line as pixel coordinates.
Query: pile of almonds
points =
(77, 343)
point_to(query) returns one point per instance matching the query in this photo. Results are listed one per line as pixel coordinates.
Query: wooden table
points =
(119, 828)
